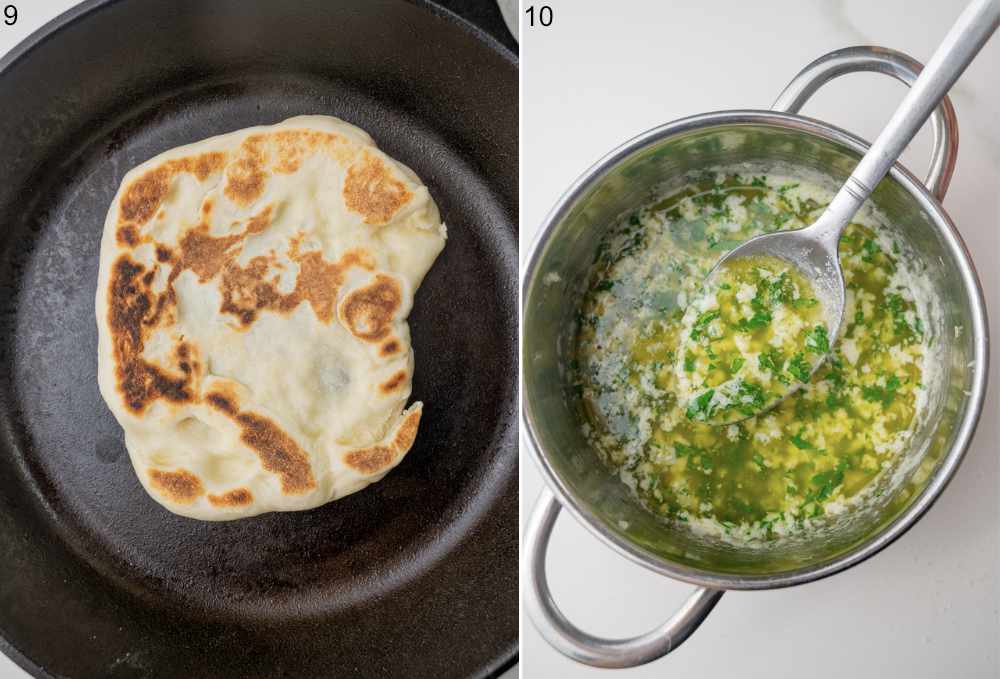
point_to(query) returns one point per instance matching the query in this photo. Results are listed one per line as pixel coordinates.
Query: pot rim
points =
(966, 426)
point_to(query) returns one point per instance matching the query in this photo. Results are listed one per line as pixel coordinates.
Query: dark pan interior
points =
(414, 576)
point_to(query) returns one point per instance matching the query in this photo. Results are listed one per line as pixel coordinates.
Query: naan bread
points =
(251, 305)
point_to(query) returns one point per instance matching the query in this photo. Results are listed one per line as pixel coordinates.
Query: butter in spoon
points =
(812, 252)
(755, 332)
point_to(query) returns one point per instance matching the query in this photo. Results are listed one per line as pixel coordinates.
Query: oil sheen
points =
(814, 453)
(753, 333)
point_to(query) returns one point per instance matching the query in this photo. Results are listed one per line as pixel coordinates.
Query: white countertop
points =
(605, 71)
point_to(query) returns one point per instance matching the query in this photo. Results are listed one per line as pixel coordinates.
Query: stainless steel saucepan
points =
(552, 287)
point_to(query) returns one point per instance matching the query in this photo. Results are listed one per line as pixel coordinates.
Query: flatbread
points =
(251, 306)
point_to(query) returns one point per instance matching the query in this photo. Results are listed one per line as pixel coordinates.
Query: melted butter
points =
(767, 475)
(753, 334)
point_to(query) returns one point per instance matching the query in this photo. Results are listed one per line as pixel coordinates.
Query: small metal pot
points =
(557, 266)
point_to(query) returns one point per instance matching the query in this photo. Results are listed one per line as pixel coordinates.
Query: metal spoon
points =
(813, 249)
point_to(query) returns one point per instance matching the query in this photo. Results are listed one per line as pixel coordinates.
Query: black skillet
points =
(415, 576)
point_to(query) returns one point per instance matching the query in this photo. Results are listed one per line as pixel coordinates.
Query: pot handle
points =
(899, 66)
(573, 642)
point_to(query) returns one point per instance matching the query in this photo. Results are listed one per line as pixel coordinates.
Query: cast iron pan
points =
(414, 576)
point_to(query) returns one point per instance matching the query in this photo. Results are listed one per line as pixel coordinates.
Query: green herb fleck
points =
(701, 323)
(826, 482)
(781, 289)
(688, 362)
(682, 449)
(884, 395)
(799, 367)
(701, 407)
(870, 249)
(800, 442)
(770, 360)
(760, 319)
(750, 398)
(817, 340)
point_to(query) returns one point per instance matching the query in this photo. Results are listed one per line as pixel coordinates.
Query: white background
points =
(604, 72)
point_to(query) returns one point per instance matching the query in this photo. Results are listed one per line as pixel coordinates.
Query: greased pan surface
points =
(414, 576)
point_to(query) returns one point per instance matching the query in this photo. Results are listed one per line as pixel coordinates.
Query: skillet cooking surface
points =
(414, 576)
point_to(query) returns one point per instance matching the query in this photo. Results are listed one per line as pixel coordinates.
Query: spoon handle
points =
(971, 31)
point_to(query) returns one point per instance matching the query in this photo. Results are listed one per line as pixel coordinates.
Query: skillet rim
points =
(81, 11)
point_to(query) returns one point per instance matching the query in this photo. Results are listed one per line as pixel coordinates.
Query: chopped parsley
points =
(817, 341)
(750, 398)
(799, 367)
(869, 250)
(884, 395)
(701, 407)
(701, 324)
(760, 319)
(826, 482)
(800, 442)
(688, 362)
(668, 383)
(770, 360)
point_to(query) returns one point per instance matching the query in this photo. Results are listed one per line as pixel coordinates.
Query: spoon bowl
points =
(814, 250)
(718, 401)
(811, 251)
